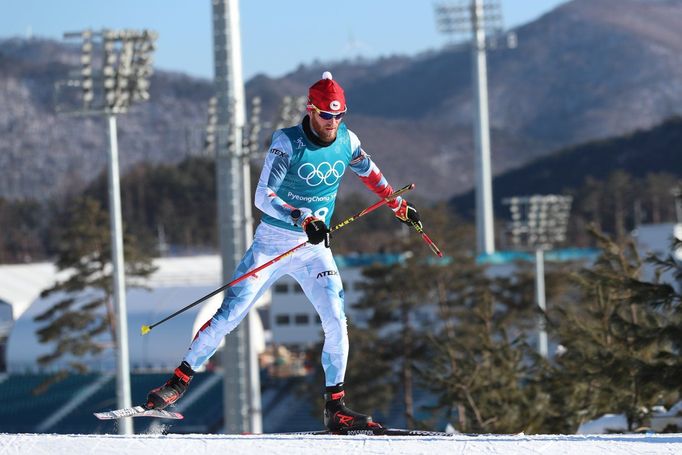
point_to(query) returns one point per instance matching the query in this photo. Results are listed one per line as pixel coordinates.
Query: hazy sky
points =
(277, 35)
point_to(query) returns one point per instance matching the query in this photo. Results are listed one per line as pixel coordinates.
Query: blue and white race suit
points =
(298, 174)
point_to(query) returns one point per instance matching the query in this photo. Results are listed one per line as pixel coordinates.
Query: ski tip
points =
(145, 329)
(138, 411)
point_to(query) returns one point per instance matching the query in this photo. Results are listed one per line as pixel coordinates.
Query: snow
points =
(608, 423)
(661, 420)
(296, 444)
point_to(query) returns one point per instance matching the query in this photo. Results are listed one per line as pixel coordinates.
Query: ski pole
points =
(427, 239)
(146, 328)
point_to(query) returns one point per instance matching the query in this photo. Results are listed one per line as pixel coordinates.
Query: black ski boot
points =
(172, 390)
(337, 417)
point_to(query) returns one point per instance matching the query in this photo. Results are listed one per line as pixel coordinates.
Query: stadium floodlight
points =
(124, 80)
(284, 112)
(210, 131)
(126, 67)
(251, 131)
(255, 127)
(86, 68)
(109, 67)
(539, 223)
(477, 18)
(144, 51)
(290, 111)
(457, 17)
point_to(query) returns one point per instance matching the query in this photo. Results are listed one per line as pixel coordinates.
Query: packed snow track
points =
(196, 444)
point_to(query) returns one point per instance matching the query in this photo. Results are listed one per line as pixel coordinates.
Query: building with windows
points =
(294, 322)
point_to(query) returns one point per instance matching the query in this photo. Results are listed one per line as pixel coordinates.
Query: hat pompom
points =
(327, 75)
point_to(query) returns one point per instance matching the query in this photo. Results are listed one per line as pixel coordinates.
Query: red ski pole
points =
(428, 240)
(146, 328)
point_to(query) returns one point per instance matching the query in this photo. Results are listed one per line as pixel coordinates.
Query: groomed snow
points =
(288, 444)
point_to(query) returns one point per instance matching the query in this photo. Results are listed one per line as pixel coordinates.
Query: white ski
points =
(138, 411)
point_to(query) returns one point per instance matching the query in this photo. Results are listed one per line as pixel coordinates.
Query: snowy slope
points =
(338, 445)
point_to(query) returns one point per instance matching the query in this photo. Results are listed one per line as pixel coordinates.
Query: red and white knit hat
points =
(327, 95)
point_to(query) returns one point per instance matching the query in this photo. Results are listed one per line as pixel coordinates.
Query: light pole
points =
(242, 391)
(226, 136)
(477, 17)
(538, 223)
(677, 194)
(241, 384)
(126, 68)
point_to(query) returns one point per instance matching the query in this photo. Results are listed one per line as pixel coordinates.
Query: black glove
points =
(317, 231)
(407, 213)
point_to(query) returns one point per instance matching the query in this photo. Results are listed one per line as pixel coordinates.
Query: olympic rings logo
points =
(325, 173)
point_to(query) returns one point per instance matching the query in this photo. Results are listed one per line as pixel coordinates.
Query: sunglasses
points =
(324, 115)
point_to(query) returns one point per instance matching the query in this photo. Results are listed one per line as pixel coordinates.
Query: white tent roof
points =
(21, 284)
(177, 283)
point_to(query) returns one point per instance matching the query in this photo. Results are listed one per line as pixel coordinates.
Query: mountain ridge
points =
(584, 71)
(637, 153)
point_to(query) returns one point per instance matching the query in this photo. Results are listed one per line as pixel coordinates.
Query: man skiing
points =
(296, 193)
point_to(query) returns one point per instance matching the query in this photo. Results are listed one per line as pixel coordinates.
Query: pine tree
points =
(394, 296)
(82, 314)
(399, 301)
(668, 299)
(483, 369)
(657, 201)
(449, 327)
(621, 339)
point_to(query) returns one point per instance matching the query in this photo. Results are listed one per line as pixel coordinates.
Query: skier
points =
(296, 193)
